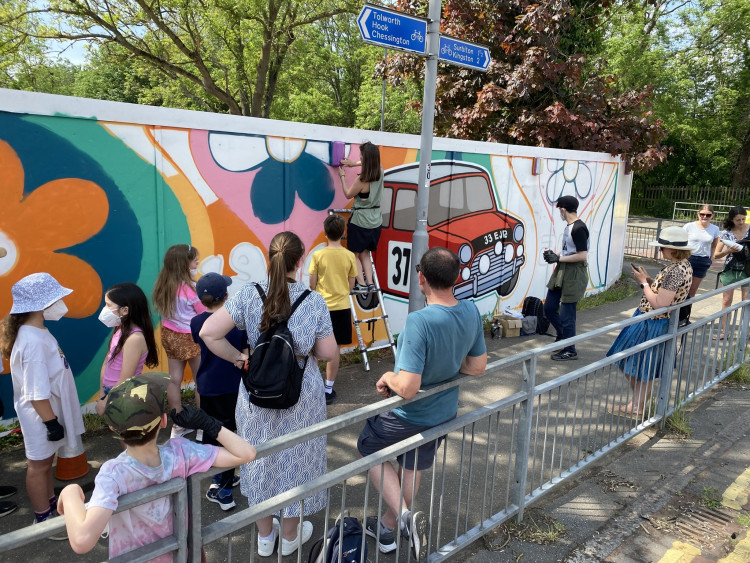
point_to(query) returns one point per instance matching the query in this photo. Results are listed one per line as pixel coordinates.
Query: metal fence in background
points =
(647, 199)
(497, 458)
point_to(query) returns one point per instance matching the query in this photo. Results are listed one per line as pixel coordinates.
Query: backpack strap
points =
(260, 291)
(299, 301)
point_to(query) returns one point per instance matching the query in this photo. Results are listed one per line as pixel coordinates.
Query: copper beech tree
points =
(538, 90)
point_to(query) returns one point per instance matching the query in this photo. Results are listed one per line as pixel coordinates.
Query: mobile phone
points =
(635, 267)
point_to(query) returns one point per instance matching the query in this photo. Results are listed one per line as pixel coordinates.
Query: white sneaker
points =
(290, 546)
(266, 547)
(178, 431)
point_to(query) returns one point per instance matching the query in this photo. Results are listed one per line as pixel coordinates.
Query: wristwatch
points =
(643, 285)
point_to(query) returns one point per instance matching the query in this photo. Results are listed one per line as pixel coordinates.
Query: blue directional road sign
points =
(392, 29)
(463, 53)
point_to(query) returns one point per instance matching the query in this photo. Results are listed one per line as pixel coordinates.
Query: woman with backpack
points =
(257, 309)
(735, 229)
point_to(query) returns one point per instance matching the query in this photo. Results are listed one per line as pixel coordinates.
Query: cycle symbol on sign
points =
(417, 36)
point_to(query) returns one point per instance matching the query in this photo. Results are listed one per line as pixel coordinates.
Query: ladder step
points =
(370, 319)
(379, 347)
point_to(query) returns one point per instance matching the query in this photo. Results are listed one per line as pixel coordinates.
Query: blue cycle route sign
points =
(392, 29)
(463, 53)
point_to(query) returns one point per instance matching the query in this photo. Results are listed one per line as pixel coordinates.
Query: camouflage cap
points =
(134, 407)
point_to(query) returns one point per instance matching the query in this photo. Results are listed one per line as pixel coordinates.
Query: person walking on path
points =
(704, 236)
(570, 277)
(670, 287)
(310, 327)
(437, 343)
(332, 273)
(735, 230)
(176, 301)
(44, 390)
(363, 233)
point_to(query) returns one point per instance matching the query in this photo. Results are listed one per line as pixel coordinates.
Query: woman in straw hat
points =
(44, 391)
(670, 287)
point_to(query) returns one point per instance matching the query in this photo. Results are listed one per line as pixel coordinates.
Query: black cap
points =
(569, 203)
(213, 284)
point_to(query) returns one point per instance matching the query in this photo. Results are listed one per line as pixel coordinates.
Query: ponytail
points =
(284, 253)
(9, 331)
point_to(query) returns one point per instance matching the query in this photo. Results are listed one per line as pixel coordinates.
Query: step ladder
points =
(369, 321)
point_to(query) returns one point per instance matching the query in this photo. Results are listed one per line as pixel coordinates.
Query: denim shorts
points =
(386, 429)
(700, 265)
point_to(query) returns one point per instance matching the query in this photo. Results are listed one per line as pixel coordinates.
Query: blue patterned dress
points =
(267, 477)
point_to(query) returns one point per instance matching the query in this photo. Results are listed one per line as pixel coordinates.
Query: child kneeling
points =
(135, 412)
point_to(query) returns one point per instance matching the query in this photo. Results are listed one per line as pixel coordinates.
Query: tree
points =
(538, 90)
(224, 55)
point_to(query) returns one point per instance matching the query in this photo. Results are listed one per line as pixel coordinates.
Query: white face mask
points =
(193, 273)
(56, 311)
(108, 318)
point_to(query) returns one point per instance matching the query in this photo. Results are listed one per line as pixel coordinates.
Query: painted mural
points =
(97, 199)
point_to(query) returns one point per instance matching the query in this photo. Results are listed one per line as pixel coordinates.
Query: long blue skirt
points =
(645, 365)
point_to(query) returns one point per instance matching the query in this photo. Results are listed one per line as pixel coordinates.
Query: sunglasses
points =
(705, 215)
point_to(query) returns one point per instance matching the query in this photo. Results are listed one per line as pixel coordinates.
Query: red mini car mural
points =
(463, 216)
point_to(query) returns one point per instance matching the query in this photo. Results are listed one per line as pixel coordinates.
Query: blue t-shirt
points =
(434, 342)
(216, 376)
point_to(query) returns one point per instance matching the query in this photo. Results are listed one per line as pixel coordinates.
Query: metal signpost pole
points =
(419, 242)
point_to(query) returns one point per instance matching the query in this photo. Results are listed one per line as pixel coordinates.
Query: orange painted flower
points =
(56, 215)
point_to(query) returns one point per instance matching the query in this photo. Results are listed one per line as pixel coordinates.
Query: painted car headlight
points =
(484, 264)
(498, 248)
(508, 253)
(519, 250)
(464, 253)
(465, 274)
(518, 233)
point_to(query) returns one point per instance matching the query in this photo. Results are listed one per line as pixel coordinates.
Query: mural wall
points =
(95, 192)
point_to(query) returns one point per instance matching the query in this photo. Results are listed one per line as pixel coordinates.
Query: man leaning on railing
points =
(437, 343)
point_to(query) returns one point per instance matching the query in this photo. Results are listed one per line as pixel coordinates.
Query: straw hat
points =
(672, 237)
(36, 292)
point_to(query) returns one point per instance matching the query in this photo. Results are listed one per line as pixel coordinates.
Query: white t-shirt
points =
(701, 238)
(39, 370)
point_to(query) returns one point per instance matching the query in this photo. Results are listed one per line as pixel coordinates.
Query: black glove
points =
(55, 430)
(550, 257)
(197, 419)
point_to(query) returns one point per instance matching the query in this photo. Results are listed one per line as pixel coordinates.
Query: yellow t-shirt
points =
(334, 267)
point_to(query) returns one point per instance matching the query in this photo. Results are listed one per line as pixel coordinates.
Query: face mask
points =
(194, 273)
(56, 311)
(108, 318)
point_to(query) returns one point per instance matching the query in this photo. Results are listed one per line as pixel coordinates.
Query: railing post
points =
(744, 322)
(194, 541)
(523, 441)
(667, 368)
(658, 230)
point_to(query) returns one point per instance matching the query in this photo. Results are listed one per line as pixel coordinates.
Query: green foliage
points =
(679, 422)
(741, 375)
(621, 289)
(711, 497)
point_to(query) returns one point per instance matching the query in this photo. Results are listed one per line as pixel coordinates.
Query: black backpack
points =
(533, 307)
(326, 549)
(273, 377)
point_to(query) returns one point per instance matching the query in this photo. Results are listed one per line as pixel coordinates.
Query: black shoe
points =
(564, 355)
(359, 289)
(7, 491)
(371, 288)
(6, 507)
(330, 397)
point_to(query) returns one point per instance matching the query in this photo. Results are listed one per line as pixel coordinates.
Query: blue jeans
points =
(564, 321)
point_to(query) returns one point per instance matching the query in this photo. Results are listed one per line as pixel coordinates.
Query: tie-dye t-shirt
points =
(149, 522)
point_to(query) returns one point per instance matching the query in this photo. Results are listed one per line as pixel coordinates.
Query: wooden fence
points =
(658, 201)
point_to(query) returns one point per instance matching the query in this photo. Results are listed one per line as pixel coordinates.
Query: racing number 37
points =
(399, 261)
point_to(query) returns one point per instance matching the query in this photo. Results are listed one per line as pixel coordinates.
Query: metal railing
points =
(499, 456)
(686, 211)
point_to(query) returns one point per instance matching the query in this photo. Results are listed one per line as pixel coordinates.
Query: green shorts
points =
(728, 277)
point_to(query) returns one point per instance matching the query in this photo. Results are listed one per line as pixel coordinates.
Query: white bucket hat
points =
(672, 237)
(36, 292)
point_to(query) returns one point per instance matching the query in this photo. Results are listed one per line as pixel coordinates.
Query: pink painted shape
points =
(234, 189)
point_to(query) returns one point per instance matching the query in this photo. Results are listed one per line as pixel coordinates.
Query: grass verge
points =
(679, 422)
(622, 289)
